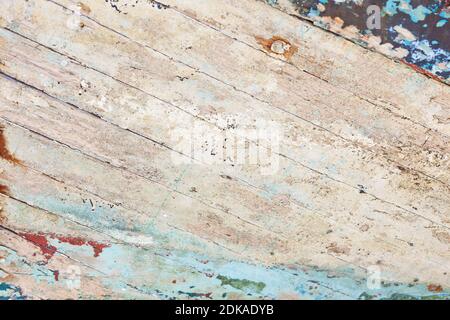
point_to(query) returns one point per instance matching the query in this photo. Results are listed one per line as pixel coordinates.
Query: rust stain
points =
(278, 45)
(4, 152)
(423, 71)
(4, 190)
(434, 288)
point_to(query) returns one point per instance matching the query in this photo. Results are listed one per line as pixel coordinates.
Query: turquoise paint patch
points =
(390, 7)
(307, 282)
(170, 274)
(445, 14)
(165, 273)
(417, 14)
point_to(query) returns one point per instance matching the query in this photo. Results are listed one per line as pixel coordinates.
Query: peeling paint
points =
(41, 240)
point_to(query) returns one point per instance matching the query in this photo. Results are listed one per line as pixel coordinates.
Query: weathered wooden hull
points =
(123, 174)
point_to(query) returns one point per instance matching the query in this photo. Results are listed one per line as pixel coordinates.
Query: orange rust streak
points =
(267, 45)
(4, 152)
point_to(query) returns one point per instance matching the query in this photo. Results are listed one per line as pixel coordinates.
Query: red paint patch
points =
(70, 240)
(41, 241)
(96, 246)
(48, 250)
(56, 275)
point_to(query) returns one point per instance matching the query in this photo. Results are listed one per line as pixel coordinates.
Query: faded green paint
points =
(242, 284)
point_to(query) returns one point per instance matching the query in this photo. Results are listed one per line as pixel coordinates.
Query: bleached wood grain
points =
(90, 112)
